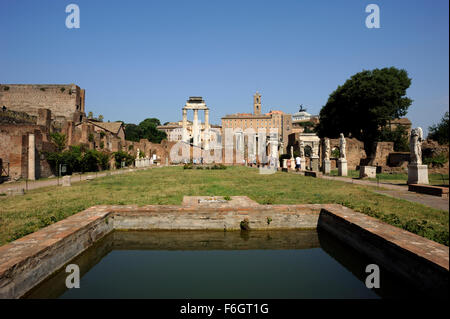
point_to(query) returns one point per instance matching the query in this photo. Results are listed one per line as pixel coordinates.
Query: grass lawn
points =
(21, 215)
(397, 178)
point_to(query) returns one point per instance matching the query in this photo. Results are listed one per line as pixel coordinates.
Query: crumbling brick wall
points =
(354, 151)
(14, 149)
(64, 101)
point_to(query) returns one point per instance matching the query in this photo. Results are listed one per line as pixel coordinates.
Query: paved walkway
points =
(16, 187)
(399, 191)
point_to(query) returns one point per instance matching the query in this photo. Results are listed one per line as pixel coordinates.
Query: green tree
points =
(439, 132)
(364, 104)
(132, 132)
(150, 132)
(59, 140)
(146, 129)
(399, 136)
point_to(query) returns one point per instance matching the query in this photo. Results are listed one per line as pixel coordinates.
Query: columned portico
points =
(195, 103)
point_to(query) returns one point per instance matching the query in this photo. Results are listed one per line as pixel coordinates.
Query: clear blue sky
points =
(139, 59)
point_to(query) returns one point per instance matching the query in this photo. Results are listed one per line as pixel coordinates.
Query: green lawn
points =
(21, 215)
(397, 178)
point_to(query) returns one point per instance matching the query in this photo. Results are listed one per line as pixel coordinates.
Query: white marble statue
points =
(315, 150)
(342, 143)
(327, 149)
(292, 152)
(415, 146)
(302, 149)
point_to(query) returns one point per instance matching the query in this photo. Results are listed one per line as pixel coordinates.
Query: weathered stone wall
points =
(64, 101)
(432, 148)
(14, 149)
(382, 151)
(354, 151)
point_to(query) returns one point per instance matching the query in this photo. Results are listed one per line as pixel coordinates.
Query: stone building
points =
(65, 101)
(174, 130)
(257, 120)
(303, 122)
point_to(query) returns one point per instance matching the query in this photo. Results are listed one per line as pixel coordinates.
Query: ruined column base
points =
(326, 168)
(342, 167)
(368, 171)
(315, 163)
(418, 174)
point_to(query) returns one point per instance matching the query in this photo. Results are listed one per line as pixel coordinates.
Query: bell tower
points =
(257, 104)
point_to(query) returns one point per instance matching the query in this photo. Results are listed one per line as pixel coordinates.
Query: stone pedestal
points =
(326, 168)
(292, 163)
(285, 163)
(417, 174)
(66, 180)
(302, 164)
(315, 163)
(342, 167)
(368, 171)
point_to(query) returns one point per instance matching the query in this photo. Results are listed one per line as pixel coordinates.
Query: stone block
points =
(326, 168)
(315, 164)
(66, 181)
(368, 171)
(418, 174)
(342, 167)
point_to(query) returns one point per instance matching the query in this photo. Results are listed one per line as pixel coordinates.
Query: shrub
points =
(78, 159)
(436, 161)
(218, 166)
(188, 166)
(122, 156)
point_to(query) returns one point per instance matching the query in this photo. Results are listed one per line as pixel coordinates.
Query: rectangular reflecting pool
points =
(217, 264)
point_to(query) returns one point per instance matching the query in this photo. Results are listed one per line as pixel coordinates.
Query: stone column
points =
(207, 132)
(31, 157)
(207, 119)
(184, 129)
(195, 128)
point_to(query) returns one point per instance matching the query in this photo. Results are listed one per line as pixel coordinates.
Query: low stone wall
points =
(418, 260)
(28, 261)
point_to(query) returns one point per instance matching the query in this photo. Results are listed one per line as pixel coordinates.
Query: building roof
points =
(112, 127)
(251, 115)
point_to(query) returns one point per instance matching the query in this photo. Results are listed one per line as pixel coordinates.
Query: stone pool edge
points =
(28, 261)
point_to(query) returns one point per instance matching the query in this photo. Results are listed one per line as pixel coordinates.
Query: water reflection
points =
(213, 264)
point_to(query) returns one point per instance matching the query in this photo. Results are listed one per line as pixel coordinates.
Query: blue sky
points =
(139, 59)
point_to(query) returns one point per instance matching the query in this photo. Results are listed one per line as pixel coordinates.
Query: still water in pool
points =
(198, 264)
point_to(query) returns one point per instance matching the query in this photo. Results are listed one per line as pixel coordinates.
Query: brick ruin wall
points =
(354, 152)
(64, 101)
(14, 149)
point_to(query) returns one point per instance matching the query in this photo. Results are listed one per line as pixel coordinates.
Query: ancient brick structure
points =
(14, 148)
(354, 151)
(65, 101)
